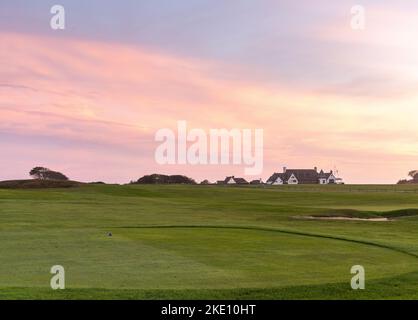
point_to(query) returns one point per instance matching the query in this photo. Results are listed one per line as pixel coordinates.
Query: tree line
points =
(42, 173)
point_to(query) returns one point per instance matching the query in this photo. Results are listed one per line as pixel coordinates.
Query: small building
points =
(326, 177)
(303, 176)
(257, 181)
(233, 180)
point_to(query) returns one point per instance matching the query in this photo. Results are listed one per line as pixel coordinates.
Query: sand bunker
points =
(342, 218)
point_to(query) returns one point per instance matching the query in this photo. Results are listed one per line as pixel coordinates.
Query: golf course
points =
(209, 242)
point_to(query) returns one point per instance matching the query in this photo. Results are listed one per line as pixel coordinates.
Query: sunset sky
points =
(88, 100)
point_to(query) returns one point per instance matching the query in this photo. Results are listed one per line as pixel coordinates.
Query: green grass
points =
(208, 242)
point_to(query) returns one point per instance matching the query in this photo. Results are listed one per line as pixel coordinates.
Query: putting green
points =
(199, 258)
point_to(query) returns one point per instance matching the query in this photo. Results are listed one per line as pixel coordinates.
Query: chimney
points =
(316, 169)
(284, 169)
(331, 171)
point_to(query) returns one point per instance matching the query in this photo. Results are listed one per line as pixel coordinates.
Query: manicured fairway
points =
(208, 242)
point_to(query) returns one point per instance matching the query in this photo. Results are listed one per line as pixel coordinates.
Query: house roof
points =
(304, 176)
(274, 177)
(237, 180)
(324, 175)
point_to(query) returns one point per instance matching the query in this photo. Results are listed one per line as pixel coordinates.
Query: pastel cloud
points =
(379, 61)
(92, 108)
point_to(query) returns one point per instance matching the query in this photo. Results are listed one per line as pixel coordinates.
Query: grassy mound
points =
(37, 184)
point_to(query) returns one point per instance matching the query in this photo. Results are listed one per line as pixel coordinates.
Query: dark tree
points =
(42, 173)
(165, 179)
(38, 173)
(414, 175)
(403, 181)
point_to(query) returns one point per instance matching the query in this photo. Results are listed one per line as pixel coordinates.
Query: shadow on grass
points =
(399, 287)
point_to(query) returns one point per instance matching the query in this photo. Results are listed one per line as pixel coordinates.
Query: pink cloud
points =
(91, 109)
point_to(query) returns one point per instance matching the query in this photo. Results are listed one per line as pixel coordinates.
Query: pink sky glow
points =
(90, 108)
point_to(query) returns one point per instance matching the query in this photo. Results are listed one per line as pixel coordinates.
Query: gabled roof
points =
(274, 177)
(237, 180)
(324, 175)
(240, 180)
(304, 176)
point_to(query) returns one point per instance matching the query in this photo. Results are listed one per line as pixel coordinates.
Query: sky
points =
(88, 100)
